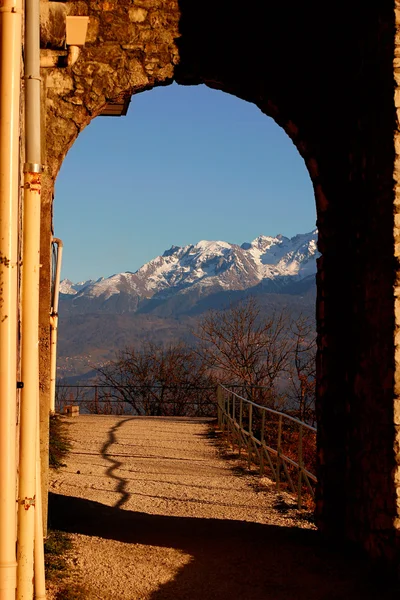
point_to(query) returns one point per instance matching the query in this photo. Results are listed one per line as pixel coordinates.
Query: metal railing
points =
(277, 442)
(272, 439)
(152, 400)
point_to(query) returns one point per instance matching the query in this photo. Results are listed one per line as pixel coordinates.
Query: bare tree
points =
(158, 380)
(244, 347)
(302, 370)
(272, 358)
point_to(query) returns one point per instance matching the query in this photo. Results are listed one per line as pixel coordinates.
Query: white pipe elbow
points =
(73, 55)
(52, 59)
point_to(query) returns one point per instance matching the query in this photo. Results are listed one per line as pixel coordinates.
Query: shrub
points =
(59, 443)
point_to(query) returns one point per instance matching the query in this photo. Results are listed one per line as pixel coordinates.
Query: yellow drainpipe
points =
(29, 393)
(10, 73)
(30, 305)
(40, 578)
(54, 326)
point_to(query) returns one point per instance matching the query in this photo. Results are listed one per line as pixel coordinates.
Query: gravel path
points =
(157, 512)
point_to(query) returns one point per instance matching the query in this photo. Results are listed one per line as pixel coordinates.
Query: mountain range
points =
(163, 299)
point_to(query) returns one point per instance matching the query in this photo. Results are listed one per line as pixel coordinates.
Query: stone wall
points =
(397, 265)
(329, 84)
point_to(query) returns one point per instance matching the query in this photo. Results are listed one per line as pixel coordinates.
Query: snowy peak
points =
(282, 252)
(265, 242)
(171, 251)
(206, 266)
(67, 287)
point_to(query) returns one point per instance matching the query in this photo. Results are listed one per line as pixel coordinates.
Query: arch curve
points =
(329, 84)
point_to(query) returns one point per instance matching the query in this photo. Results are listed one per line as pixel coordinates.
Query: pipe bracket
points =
(32, 168)
(32, 78)
(13, 10)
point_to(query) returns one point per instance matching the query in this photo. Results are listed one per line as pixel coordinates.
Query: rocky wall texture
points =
(329, 84)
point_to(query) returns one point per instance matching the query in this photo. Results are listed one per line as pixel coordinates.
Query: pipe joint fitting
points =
(27, 502)
(32, 168)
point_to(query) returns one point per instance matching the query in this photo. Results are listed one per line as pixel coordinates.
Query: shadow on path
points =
(115, 464)
(233, 560)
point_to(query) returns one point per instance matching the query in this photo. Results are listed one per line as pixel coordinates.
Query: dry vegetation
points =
(270, 360)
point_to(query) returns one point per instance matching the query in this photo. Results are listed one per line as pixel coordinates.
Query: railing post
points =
(240, 424)
(251, 419)
(233, 428)
(301, 466)
(219, 405)
(262, 443)
(250, 434)
(279, 450)
(228, 415)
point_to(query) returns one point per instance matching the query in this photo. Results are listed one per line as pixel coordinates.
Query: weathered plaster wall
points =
(329, 84)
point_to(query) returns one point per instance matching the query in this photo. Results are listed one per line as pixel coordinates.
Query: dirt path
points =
(156, 513)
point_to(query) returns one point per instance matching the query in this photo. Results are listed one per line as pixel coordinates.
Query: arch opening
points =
(340, 116)
(176, 182)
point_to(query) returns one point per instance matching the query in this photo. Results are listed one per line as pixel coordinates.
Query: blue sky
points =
(186, 164)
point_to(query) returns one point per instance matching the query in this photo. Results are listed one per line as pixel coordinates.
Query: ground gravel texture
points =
(159, 510)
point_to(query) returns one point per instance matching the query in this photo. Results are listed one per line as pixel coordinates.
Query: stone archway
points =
(329, 85)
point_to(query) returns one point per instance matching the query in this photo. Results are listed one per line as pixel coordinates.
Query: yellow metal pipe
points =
(10, 65)
(40, 584)
(54, 325)
(30, 305)
(29, 393)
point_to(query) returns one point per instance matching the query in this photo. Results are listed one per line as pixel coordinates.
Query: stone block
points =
(71, 411)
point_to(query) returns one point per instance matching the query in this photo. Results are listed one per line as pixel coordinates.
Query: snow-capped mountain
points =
(204, 268)
(67, 287)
